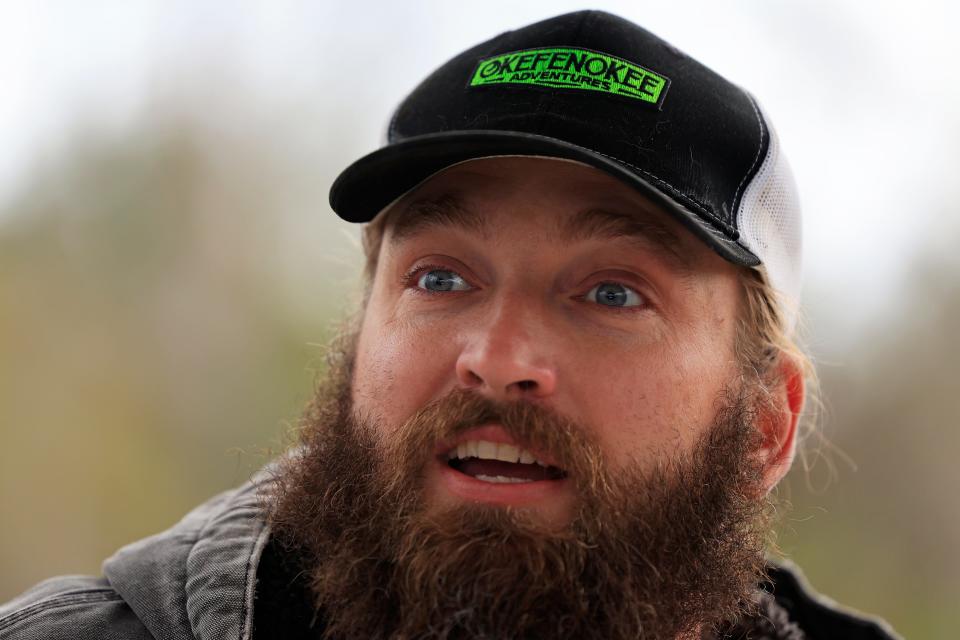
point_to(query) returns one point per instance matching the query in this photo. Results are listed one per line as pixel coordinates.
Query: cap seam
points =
(674, 191)
(734, 203)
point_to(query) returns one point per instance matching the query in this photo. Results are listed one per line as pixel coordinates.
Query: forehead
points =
(568, 200)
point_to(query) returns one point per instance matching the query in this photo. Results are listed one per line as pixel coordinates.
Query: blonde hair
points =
(764, 340)
(371, 240)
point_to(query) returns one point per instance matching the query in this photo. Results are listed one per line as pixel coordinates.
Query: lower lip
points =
(507, 493)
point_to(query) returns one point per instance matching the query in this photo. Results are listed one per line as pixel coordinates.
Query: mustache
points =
(570, 444)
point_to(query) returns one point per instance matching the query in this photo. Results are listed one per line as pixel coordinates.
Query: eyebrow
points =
(645, 232)
(448, 210)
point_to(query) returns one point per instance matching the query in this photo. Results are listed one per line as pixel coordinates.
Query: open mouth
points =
(500, 463)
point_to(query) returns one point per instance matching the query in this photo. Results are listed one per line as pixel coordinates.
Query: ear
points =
(778, 424)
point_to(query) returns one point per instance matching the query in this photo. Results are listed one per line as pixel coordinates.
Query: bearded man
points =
(567, 396)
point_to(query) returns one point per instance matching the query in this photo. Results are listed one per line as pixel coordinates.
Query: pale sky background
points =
(865, 95)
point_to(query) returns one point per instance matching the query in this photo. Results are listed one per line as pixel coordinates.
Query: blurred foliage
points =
(878, 529)
(149, 352)
(162, 296)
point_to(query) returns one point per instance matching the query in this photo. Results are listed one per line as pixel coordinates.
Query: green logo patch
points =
(572, 68)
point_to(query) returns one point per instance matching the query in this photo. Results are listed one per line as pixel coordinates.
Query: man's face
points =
(549, 282)
(531, 305)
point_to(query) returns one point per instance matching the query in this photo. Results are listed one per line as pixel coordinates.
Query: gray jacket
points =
(197, 581)
(194, 581)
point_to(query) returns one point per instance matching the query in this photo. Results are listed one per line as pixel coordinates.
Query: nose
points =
(506, 357)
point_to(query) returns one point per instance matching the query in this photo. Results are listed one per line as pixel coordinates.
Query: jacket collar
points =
(196, 580)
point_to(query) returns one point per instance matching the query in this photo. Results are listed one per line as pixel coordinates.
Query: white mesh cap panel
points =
(770, 226)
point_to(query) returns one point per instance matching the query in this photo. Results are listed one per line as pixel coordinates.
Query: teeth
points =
(501, 479)
(486, 450)
(507, 453)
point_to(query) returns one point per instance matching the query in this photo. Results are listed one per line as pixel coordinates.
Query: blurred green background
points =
(169, 266)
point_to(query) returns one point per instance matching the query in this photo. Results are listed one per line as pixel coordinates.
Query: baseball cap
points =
(593, 87)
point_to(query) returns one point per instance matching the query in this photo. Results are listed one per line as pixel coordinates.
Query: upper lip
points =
(493, 432)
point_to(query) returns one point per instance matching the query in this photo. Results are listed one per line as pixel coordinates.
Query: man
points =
(566, 398)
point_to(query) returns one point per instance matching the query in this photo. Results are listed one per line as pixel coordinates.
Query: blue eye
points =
(612, 294)
(442, 280)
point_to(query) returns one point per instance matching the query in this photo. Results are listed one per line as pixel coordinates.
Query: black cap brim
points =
(376, 180)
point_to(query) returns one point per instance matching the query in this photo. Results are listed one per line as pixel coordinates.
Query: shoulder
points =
(76, 607)
(818, 615)
(197, 575)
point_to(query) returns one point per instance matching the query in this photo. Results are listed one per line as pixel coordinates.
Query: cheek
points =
(636, 407)
(399, 369)
(663, 401)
